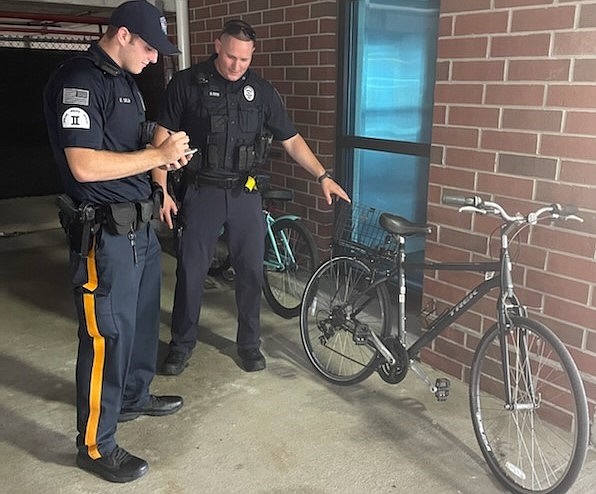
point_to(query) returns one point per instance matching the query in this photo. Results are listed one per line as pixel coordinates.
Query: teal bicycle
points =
(291, 257)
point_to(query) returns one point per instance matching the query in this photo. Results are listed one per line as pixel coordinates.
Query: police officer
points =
(95, 115)
(229, 113)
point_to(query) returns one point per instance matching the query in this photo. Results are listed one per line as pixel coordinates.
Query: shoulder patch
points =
(75, 118)
(74, 96)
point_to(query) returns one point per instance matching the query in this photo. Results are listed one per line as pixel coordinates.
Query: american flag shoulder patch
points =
(74, 96)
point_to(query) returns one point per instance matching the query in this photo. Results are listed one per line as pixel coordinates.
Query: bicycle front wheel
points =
(339, 311)
(288, 265)
(533, 433)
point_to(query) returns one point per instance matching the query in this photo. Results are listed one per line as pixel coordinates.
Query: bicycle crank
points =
(394, 373)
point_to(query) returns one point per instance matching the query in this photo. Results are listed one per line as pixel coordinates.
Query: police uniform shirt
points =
(91, 103)
(184, 107)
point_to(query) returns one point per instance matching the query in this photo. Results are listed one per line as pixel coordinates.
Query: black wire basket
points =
(357, 228)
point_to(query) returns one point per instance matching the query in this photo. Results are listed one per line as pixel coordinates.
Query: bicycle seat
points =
(401, 226)
(278, 195)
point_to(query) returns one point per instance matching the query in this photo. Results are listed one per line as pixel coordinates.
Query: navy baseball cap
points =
(142, 18)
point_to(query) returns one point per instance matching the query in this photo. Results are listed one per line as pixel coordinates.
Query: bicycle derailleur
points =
(396, 372)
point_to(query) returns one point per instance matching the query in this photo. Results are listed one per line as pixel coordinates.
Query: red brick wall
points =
(515, 121)
(296, 51)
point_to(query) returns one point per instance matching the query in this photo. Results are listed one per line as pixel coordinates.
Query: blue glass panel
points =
(393, 79)
(395, 183)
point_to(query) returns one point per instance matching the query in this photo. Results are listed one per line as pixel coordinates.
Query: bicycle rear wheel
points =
(284, 278)
(338, 313)
(539, 442)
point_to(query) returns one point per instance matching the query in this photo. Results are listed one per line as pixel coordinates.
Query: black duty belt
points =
(220, 182)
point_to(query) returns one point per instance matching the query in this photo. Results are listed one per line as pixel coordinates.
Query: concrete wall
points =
(515, 121)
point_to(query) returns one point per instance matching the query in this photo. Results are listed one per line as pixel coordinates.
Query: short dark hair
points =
(239, 29)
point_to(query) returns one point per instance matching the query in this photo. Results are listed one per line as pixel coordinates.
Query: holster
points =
(79, 223)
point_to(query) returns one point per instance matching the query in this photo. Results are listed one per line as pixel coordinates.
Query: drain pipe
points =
(182, 33)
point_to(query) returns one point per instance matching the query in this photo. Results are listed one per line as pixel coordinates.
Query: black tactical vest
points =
(231, 122)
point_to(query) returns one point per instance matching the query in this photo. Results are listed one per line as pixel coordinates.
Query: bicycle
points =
(291, 256)
(527, 400)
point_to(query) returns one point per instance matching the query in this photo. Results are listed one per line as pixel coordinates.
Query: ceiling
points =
(18, 17)
(25, 17)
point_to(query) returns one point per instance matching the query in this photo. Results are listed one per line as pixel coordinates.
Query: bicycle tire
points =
(542, 447)
(283, 285)
(334, 307)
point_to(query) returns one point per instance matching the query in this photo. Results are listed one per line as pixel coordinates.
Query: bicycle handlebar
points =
(476, 204)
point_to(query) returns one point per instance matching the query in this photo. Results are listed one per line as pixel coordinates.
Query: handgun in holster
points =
(78, 223)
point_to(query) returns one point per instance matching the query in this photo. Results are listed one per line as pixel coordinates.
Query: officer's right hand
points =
(174, 150)
(168, 210)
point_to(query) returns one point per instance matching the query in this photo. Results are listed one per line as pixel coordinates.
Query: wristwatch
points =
(324, 176)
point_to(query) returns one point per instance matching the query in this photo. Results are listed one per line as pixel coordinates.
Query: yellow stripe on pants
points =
(99, 353)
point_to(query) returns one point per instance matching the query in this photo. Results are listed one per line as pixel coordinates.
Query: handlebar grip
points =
(461, 200)
(565, 209)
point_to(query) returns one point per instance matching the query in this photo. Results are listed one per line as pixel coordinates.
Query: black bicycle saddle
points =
(401, 226)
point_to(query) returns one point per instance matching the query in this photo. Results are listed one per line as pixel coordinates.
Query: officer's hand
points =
(168, 210)
(332, 188)
(175, 151)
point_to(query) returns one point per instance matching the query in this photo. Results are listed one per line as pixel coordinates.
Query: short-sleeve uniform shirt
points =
(92, 103)
(183, 107)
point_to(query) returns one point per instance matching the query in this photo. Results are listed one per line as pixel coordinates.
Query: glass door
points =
(387, 76)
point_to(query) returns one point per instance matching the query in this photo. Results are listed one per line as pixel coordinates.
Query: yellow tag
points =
(251, 184)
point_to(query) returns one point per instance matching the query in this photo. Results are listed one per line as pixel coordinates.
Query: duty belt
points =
(220, 182)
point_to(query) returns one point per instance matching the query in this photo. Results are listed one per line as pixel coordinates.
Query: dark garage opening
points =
(28, 167)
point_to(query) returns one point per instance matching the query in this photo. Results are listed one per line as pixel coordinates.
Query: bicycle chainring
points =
(394, 373)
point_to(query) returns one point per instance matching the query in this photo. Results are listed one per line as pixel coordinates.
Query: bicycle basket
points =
(357, 228)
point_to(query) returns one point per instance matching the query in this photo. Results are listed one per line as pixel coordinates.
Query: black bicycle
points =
(527, 400)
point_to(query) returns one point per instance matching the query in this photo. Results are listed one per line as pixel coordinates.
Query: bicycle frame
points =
(497, 274)
(269, 221)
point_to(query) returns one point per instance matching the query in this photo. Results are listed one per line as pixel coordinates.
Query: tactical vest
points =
(231, 134)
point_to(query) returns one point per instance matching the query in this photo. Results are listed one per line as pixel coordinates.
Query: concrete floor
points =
(280, 430)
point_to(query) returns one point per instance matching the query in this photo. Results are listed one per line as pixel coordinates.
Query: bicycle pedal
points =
(442, 387)
(360, 335)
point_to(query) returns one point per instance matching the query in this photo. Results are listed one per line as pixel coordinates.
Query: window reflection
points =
(397, 51)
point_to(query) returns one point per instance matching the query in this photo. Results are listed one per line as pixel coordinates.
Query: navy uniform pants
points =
(204, 212)
(118, 306)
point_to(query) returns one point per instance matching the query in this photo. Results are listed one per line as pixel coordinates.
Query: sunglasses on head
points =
(236, 27)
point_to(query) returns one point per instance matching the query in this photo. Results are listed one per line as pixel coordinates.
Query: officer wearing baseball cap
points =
(95, 116)
(142, 18)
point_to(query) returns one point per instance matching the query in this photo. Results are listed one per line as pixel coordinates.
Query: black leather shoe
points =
(252, 359)
(118, 466)
(175, 363)
(156, 406)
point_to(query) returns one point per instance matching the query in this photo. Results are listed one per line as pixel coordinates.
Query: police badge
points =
(249, 93)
